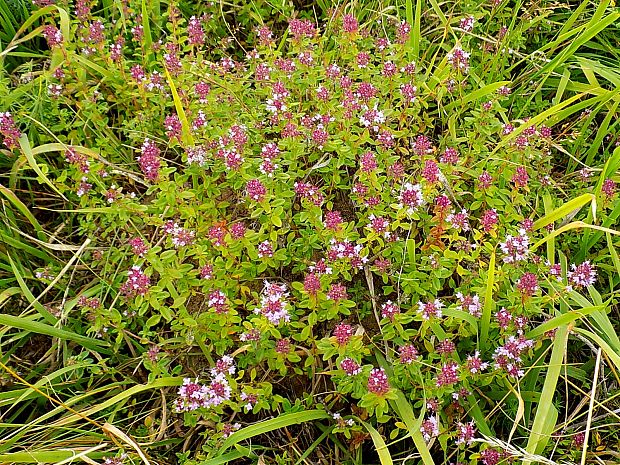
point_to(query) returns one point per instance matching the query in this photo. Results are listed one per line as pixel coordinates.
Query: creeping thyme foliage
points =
(332, 221)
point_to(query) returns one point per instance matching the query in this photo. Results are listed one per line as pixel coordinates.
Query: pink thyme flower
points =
(422, 145)
(52, 35)
(474, 364)
(429, 428)
(224, 366)
(192, 396)
(408, 354)
(181, 237)
(527, 284)
(470, 303)
(459, 59)
(237, 231)
(149, 160)
(137, 283)
(95, 32)
(579, 439)
(273, 303)
(196, 155)
(78, 159)
(345, 250)
(450, 156)
(582, 275)
(8, 129)
(322, 93)
(608, 188)
(556, 271)
(504, 318)
(467, 24)
(256, 190)
(520, 178)
(430, 309)
(410, 197)
(137, 73)
(448, 374)
(92, 302)
(485, 180)
(172, 125)
(489, 219)
(320, 137)
(366, 91)
(382, 43)
(402, 32)
(446, 347)
(251, 335)
(300, 28)
(320, 267)
(349, 24)
(337, 292)
(490, 457)
(465, 432)
(378, 382)
(362, 59)
(309, 192)
(409, 92)
(138, 246)
(200, 121)
(206, 272)
(389, 310)
(265, 249)
(202, 90)
(312, 284)
(516, 248)
(216, 234)
(379, 225)
(430, 172)
(283, 346)
(264, 34)
(545, 132)
(368, 162)
(333, 220)
(218, 302)
(459, 220)
(195, 32)
(527, 224)
(342, 332)
(442, 204)
(228, 429)
(389, 69)
(382, 264)
(350, 367)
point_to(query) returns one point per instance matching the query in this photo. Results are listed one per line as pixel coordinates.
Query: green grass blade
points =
(178, 105)
(266, 426)
(562, 320)
(565, 209)
(405, 412)
(42, 328)
(27, 151)
(545, 411)
(380, 446)
(485, 322)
